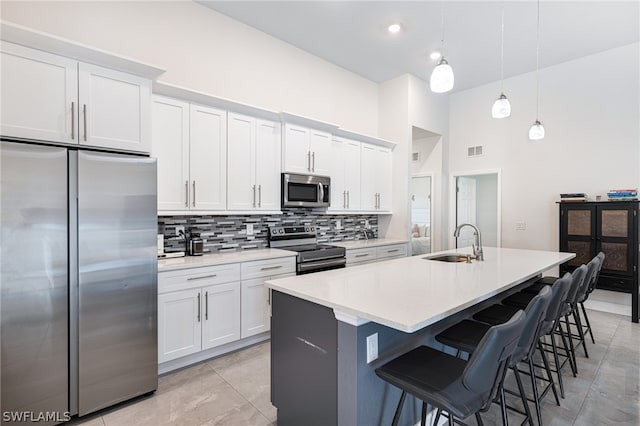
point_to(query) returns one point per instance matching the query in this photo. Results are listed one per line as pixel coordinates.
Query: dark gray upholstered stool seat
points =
(461, 388)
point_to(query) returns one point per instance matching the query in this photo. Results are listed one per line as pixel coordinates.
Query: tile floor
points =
(234, 389)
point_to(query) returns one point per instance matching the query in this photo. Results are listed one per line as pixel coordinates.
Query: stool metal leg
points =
(438, 412)
(396, 416)
(536, 397)
(574, 370)
(545, 361)
(423, 418)
(523, 395)
(571, 347)
(586, 319)
(556, 359)
(479, 419)
(576, 316)
(503, 407)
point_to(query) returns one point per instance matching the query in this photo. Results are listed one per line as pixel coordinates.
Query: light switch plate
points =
(372, 347)
(521, 226)
(249, 228)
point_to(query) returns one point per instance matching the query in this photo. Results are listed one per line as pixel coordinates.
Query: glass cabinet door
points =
(578, 227)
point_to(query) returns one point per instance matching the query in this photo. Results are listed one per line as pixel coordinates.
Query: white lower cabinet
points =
(205, 307)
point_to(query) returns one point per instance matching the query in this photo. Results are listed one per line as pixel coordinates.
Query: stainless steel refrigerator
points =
(78, 280)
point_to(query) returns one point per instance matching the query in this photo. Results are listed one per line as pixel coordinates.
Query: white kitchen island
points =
(320, 323)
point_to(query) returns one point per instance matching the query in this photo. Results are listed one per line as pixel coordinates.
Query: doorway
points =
(421, 191)
(476, 200)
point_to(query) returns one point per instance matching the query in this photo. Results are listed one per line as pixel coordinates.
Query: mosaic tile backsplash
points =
(228, 233)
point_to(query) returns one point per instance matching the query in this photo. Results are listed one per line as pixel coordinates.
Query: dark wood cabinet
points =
(587, 228)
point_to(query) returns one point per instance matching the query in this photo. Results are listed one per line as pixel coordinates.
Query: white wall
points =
(590, 109)
(204, 50)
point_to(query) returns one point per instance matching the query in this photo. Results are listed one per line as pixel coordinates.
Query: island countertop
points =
(410, 293)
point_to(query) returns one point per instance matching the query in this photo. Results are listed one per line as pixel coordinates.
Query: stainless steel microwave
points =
(305, 190)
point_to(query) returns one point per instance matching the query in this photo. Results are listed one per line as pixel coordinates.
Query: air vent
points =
(474, 151)
(415, 156)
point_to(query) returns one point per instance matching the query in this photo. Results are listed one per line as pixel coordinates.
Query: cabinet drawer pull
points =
(198, 307)
(84, 112)
(73, 120)
(362, 255)
(393, 251)
(268, 268)
(206, 306)
(202, 277)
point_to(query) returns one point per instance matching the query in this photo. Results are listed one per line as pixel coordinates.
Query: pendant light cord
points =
(502, 52)
(538, 61)
(442, 26)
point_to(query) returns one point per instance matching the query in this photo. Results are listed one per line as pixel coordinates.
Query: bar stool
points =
(496, 314)
(592, 286)
(461, 388)
(466, 335)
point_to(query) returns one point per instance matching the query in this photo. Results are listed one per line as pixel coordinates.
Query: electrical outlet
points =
(338, 224)
(521, 226)
(179, 229)
(249, 228)
(372, 347)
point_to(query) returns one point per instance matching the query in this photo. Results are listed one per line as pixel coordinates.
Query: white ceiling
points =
(353, 35)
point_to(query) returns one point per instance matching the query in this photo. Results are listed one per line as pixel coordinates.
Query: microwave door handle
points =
(321, 188)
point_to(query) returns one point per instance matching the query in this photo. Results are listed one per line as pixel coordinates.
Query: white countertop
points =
(221, 258)
(375, 242)
(411, 293)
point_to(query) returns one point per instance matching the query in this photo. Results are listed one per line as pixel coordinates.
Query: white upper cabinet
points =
(114, 109)
(268, 164)
(170, 133)
(208, 155)
(345, 175)
(306, 151)
(376, 174)
(189, 142)
(253, 157)
(39, 95)
(53, 98)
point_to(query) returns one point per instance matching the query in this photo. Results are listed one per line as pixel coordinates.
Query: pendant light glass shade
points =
(501, 107)
(442, 77)
(536, 132)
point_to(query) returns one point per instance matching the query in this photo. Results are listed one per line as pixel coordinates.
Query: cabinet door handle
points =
(201, 277)
(348, 199)
(259, 195)
(344, 199)
(84, 112)
(198, 307)
(186, 193)
(269, 297)
(194, 194)
(268, 268)
(309, 160)
(362, 255)
(313, 161)
(206, 306)
(254, 196)
(73, 120)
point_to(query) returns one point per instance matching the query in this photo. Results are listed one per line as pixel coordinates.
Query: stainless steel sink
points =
(462, 258)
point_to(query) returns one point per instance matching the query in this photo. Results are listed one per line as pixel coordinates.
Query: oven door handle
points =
(317, 259)
(303, 267)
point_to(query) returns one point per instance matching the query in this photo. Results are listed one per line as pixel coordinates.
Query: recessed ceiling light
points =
(435, 55)
(394, 28)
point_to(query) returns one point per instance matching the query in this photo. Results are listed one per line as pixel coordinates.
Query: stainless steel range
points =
(312, 257)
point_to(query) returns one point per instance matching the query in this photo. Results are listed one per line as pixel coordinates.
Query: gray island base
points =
(319, 369)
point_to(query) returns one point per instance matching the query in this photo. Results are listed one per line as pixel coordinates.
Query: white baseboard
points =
(609, 301)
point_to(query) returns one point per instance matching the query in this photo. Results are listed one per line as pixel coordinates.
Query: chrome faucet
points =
(477, 247)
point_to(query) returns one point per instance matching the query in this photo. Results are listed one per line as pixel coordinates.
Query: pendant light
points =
(442, 76)
(536, 132)
(501, 107)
